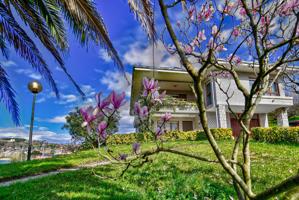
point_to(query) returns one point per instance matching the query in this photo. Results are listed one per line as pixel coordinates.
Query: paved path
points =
(58, 171)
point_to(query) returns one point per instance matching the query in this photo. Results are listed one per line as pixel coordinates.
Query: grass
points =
(21, 169)
(167, 177)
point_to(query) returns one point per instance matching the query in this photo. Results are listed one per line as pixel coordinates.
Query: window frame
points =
(209, 94)
(269, 92)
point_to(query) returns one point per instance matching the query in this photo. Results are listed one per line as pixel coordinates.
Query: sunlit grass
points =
(167, 177)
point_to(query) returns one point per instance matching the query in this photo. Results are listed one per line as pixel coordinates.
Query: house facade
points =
(176, 82)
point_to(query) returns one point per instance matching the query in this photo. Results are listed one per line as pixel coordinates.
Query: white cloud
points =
(126, 121)
(67, 98)
(104, 56)
(57, 119)
(115, 80)
(35, 76)
(29, 73)
(140, 55)
(44, 96)
(88, 90)
(39, 133)
(57, 68)
(8, 63)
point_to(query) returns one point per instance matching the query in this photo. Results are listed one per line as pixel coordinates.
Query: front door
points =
(236, 128)
(187, 125)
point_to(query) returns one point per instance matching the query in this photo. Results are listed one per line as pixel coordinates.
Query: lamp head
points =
(35, 87)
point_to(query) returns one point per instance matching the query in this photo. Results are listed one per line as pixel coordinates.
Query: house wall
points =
(228, 84)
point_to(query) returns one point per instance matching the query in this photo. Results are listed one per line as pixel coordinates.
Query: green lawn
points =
(20, 169)
(167, 177)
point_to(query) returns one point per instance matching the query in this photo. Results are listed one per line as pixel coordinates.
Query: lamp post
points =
(35, 87)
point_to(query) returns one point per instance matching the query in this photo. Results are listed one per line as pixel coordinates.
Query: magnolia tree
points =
(217, 35)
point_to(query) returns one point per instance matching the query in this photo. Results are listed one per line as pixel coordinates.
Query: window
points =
(209, 97)
(173, 126)
(272, 91)
(187, 125)
(169, 126)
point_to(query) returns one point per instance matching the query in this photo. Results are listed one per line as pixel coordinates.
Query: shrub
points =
(276, 134)
(219, 133)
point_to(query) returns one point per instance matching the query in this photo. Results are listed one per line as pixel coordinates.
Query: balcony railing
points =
(171, 104)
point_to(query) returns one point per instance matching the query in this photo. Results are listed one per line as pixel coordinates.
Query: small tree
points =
(88, 139)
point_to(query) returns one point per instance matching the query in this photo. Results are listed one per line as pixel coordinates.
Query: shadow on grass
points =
(70, 185)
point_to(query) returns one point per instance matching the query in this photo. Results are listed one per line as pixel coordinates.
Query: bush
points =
(276, 134)
(218, 133)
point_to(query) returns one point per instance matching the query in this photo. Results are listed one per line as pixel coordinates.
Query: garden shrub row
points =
(276, 134)
(219, 134)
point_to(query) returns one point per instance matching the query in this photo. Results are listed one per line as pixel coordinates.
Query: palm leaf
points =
(23, 45)
(7, 96)
(144, 13)
(39, 28)
(50, 12)
(3, 46)
(88, 24)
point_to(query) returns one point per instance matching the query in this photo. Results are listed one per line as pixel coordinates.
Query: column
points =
(196, 123)
(264, 120)
(180, 125)
(221, 115)
(282, 118)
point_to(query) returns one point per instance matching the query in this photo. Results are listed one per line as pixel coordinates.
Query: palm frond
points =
(3, 46)
(50, 12)
(144, 12)
(87, 23)
(23, 45)
(38, 27)
(7, 96)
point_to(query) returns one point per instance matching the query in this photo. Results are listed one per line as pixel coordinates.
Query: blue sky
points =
(90, 67)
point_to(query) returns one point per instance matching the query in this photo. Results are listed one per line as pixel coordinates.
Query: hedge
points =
(218, 133)
(276, 134)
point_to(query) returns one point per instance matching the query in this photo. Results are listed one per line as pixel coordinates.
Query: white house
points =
(176, 82)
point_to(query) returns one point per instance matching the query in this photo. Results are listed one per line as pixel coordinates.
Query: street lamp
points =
(35, 87)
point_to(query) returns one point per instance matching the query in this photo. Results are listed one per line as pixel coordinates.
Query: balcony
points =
(267, 104)
(175, 105)
(281, 101)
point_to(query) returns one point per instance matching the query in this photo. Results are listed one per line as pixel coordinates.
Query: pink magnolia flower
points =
(166, 117)
(123, 156)
(208, 13)
(188, 48)
(220, 48)
(159, 132)
(117, 100)
(142, 112)
(191, 13)
(214, 30)
(236, 32)
(136, 147)
(201, 35)
(228, 8)
(149, 86)
(287, 7)
(242, 12)
(265, 21)
(87, 115)
(102, 129)
(234, 59)
(102, 104)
